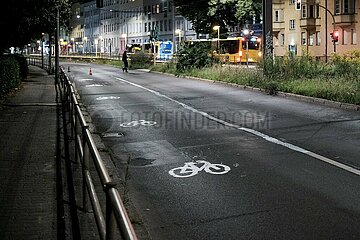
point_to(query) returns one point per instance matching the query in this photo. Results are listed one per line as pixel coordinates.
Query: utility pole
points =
(42, 50)
(57, 46)
(326, 32)
(267, 30)
(173, 25)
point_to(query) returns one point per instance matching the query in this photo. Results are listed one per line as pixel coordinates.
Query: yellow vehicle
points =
(235, 50)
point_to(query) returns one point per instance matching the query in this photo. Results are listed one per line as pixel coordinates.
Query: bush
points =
(347, 65)
(10, 75)
(194, 57)
(24, 69)
(140, 60)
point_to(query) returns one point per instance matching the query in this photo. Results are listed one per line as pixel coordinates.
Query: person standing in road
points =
(125, 61)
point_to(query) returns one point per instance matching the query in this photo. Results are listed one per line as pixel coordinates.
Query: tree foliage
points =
(24, 20)
(247, 9)
(204, 14)
(194, 57)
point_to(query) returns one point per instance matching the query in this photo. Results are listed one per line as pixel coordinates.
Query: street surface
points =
(211, 161)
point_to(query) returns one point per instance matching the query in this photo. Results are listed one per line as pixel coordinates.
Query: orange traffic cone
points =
(90, 72)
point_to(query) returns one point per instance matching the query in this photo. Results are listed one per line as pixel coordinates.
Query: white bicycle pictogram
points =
(191, 169)
(138, 123)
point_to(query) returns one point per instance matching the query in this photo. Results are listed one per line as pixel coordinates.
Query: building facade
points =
(306, 28)
(124, 22)
(91, 26)
(75, 41)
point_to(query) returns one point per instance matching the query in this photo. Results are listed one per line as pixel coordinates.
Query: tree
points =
(24, 20)
(196, 12)
(204, 14)
(247, 9)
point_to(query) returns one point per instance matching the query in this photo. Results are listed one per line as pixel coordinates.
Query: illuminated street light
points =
(246, 33)
(217, 28)
(124, 35)
(73, 44)
(96, 41)
(100, 43)
(85, 44)
(178, 31)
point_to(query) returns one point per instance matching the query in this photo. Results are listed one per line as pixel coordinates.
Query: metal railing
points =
(116, 219)
(42, 63)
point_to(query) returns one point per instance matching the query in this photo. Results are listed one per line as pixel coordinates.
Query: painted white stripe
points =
(85, 79)
(252, 131)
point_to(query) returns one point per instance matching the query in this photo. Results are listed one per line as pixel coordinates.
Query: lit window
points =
(318, 38)
(292, 24)
(303, 11)
(277, 16)
(303, 38)
(337, 6)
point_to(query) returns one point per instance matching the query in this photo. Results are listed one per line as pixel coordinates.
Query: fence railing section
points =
(85, 151)
(42, 62)
(115, 221)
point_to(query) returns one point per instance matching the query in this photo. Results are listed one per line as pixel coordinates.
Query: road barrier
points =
(116, 219)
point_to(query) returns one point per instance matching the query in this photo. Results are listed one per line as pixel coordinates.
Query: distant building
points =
(122, 22)
(75, 41)
(307, 29)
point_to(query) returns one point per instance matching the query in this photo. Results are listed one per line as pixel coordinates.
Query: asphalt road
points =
(211, 161)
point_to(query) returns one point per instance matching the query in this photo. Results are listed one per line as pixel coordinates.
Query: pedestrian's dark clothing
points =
(125, 60)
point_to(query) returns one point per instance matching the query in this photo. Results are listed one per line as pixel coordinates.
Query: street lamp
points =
(85, 44)
(73, 44)
(124, 35)
(109, 45)
(178, 31)
(100, 43)
(246, 33)
(217, 28)
(96, 41)
(42, 50)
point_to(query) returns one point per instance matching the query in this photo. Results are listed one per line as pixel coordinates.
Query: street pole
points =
(57, 46)
(247, 52)
(42, 51)
(173, 25)
(327, 11)
(218, 43)
(326, 33)
(267, 29)
(96, 47)
(110, 49)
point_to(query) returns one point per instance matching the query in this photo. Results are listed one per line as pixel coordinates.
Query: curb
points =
(330, 103)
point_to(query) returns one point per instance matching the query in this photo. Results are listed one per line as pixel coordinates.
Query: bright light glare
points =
(216, 27)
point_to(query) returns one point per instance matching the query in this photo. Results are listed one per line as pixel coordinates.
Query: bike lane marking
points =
(107, 98)
(252, 131)
(137, 123)
(190, 169)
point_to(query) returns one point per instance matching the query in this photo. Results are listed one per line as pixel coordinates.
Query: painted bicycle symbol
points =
(138, 123)
(192, 168)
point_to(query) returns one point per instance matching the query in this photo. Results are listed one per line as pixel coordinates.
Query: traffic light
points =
(335, 36)
(99, 3)
(298, 5)
(153, 35)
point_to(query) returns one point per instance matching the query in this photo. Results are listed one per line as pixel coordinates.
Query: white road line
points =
(252, 131)
(85, 79)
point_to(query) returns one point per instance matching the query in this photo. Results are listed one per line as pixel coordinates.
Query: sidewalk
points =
(37, 187)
